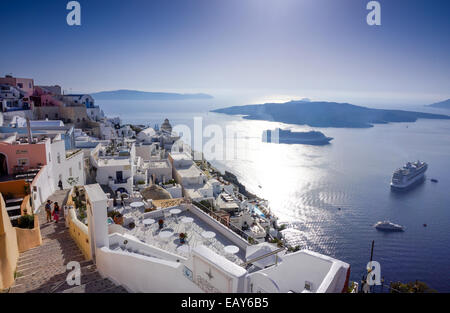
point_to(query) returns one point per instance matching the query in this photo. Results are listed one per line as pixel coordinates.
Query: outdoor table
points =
(231, 250)
(184, 249)
(148, 221)
(208, 235)
(137, 204)
(175, 213)
(165, 235)
(187, 222)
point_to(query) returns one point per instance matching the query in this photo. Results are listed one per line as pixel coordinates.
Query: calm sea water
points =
(306, 185)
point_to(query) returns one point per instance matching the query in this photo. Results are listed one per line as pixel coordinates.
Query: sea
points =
(333, 195)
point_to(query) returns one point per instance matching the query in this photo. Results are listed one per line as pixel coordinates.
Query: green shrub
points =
(26, 221)
(411, 287)
(113, 214)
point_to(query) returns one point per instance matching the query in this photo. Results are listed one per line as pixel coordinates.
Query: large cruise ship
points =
(408, 174)
(286, 136)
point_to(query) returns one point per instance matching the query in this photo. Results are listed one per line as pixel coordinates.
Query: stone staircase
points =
(43, 269)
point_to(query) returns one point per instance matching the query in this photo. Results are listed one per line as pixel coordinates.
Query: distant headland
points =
(325, 114)
(144, 95)
(443, 104)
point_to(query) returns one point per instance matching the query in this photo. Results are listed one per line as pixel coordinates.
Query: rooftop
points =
(158, 164)
(113, 162)
(194, 230)
(189, 171)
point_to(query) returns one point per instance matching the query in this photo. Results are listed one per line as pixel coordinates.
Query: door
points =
(119, 176)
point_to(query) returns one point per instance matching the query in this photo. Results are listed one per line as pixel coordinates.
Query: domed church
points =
(166, 127)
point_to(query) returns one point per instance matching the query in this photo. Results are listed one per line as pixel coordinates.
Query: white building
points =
(146, 135)
(150, 151)
(159, 171)
(118, 167)
(139, 261)
(196, 185)
(174, 189)
(95, 113)
(83, 99)
(67, 166)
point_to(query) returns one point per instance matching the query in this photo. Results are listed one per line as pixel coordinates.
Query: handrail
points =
(221, 219)
(263, 257)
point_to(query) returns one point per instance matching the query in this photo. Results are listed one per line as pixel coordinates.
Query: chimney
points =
(30, 136)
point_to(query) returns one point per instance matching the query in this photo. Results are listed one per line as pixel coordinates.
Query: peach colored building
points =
(14, 155)
(25, 84)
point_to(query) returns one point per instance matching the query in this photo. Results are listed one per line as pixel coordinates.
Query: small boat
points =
(389, 226)
(434, 180)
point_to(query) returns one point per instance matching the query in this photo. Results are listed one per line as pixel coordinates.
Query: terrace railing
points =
(222, 220)
(264, 256)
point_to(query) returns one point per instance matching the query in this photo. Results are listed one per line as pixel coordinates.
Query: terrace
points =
(200, 230)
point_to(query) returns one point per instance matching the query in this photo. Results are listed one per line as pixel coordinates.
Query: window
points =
(49, 157)
(59, 158)
(70, 171)
(20, 85)
(22, 162)
(79, 165)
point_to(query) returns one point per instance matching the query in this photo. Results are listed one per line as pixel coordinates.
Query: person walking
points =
(48, 210)
(56, 212)
(60, 185)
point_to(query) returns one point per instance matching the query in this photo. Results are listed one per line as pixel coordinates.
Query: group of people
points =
(52, 213)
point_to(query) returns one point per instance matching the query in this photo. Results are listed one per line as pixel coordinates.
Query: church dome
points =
(155, 192)
(166, 126)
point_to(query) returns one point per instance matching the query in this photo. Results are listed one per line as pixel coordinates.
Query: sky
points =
(320, 49)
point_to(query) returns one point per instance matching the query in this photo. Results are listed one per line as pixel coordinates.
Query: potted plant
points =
(183, 237)
(118, 219)
(161, 224)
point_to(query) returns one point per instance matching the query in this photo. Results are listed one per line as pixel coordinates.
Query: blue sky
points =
(321, 49)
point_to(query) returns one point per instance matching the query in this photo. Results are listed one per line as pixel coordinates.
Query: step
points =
(50, 244)
(117, 289)
(13, 200)
(12, 208)
(48, 253)
(30, 282)
(43, 254)
(49, 268)
(51, 259)
(97, 286)
(60, 286)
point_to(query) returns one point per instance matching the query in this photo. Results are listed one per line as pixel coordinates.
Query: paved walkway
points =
(43, 269)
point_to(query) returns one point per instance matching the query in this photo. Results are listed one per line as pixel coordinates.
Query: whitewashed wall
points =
(42, 187)
(66, 167)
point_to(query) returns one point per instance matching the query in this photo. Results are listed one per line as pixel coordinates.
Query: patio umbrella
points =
(258, 250)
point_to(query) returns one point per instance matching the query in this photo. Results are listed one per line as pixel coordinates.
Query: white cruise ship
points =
(389, 226)
(408, 174)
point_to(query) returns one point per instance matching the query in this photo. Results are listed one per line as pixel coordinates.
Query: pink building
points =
(44, 97)
(21, 155)
(25, 84)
